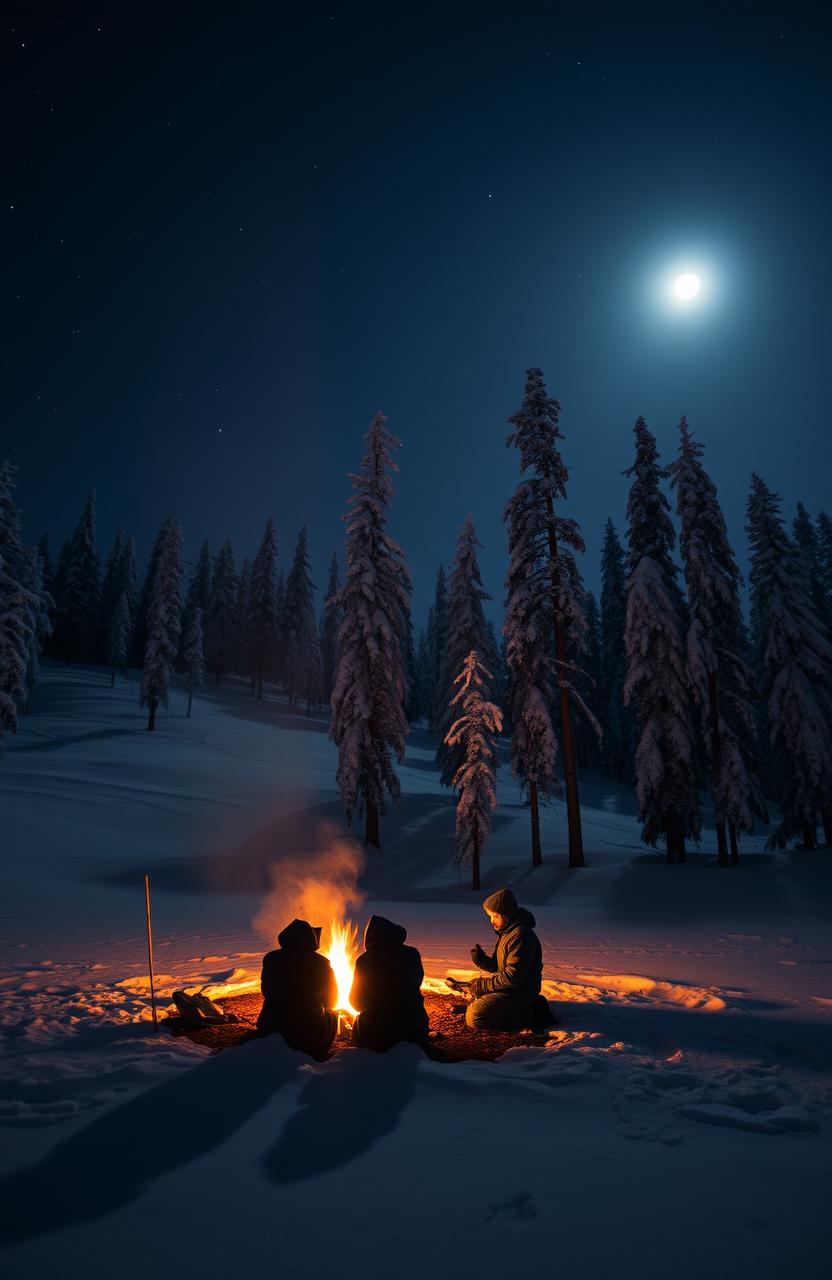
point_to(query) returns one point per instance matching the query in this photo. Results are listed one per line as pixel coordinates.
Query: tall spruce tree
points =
(117, 637)
(112, 587)
(198, 595)
(424, 679)
(368, 723)
(545, 542)
(164, 622)
(806, 536)
(437, 636)
(16, 608)
(142, 613)
(263, 621)
(77, 607)
(796, 661)
(588, 736)
(331, 618)
(303, 657)
(654, 641)
(474, 732)
(221, 625)
(718, 671)
(617, 719)
(243, 664)
(466, 630)
(194, 656)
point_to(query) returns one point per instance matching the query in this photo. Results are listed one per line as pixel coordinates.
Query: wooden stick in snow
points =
(150, 946)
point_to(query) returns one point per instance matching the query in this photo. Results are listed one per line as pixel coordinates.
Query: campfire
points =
(340, 948)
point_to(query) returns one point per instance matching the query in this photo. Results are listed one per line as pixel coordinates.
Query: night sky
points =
(233, 233)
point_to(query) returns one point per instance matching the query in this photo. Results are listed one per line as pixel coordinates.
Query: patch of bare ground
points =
(450, 1039)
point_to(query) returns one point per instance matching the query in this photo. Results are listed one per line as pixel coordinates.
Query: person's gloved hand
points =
(476, 985)
(478, 956)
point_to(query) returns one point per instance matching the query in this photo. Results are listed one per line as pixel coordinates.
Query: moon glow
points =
(687, 286)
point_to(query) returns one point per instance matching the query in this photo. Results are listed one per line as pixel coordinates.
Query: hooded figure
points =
(509, 998)
(386, 989)
(299, 990)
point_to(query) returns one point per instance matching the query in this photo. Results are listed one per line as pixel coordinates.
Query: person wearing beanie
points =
(508, 998)
(299, 991)
(387, 989)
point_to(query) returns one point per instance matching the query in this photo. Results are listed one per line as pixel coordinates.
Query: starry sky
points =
(232, 233)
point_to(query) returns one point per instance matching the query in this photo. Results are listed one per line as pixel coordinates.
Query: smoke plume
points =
(318, 885)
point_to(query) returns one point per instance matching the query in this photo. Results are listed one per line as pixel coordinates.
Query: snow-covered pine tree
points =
(194, 656)
(545, 542)
(221, 623)
(39, 622)
(198, 596)
(411, 675)
(16, 609)
(806, 536)
(718, 672)
(164, 621)
(303, 656)
(11, 534)
(309, 674)
(617, 719)
(424, 679)
(263, 621)
(331, 618)
(587, 681)
(77, 607)
(466, 630)
(473, 736)
(654, 641)
(138, 645)
(45, 553)
(117, 639)
(532, 678)
(437, 637)
(282, 629)
(111, 592)
(243, 664)
(796, 661)
(368, 723)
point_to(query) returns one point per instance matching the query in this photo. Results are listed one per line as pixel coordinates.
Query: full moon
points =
(686, 286)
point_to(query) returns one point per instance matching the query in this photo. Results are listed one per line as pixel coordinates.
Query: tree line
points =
(660, 682)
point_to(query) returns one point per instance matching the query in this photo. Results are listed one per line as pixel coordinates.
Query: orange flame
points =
(341, 950)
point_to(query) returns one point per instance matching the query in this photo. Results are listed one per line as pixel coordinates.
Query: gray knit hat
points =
(502, 903)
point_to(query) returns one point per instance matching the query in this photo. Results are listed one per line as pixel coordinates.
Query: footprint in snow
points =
(518, 1208)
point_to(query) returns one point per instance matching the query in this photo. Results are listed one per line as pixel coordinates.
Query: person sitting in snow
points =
(387, 989)
(509, 998)
(299, 990)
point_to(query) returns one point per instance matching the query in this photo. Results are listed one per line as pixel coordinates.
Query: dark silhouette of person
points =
(299, 991)
(509, 998)
(387, 989)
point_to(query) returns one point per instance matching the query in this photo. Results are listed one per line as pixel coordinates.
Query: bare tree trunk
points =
(809, 835)
(675, 843)
(573, 808)
(735, 853)
(537, 857)
(151, 716)
(112, 677)
(371, 835)
(190, 698)
(716, 759)
(475, 864)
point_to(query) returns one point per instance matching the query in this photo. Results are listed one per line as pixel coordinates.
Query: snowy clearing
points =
(677, 1118)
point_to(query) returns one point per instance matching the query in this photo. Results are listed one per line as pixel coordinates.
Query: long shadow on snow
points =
(348, 1105)
(650, 891)
(661, 1032)
(55, 744)
(113, 1160)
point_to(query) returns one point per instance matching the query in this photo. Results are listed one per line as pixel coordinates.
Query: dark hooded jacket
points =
(386, 989)
(517, 962)
(299, 990)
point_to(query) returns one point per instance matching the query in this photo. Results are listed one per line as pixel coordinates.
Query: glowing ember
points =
(340, 950)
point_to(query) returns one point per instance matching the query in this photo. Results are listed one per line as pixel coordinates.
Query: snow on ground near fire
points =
(677, 1118)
